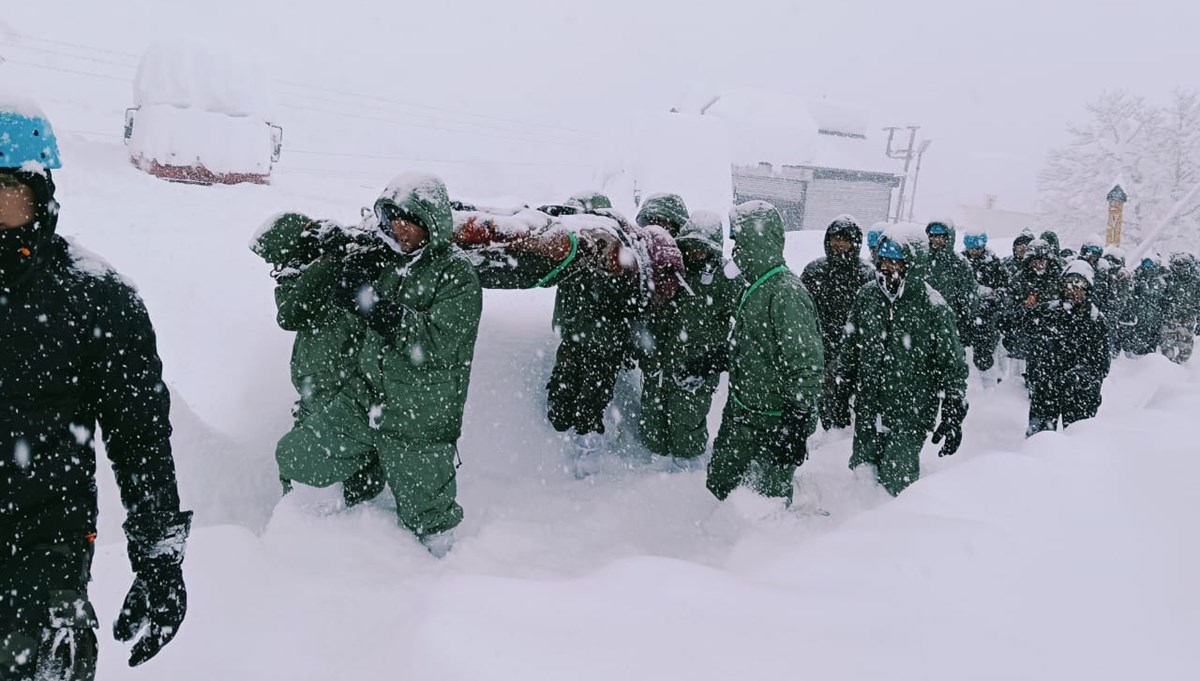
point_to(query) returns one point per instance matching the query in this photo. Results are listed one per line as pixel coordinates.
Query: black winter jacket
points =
(79, 351)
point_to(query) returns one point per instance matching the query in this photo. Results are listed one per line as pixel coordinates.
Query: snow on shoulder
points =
(935, 297)
(91, 264)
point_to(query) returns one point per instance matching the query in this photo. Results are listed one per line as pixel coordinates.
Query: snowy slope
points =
(1067, 556)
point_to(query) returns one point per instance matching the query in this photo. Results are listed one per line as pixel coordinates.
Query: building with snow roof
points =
(814, 160)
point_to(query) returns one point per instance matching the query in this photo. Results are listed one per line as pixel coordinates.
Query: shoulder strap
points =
(754, 287)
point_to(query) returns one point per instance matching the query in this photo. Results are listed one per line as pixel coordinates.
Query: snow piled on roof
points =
(189, 75)
(784, 129)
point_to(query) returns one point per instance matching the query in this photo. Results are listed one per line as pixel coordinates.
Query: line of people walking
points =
(386, 315)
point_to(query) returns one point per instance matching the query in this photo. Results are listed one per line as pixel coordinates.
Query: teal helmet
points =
(26, 139)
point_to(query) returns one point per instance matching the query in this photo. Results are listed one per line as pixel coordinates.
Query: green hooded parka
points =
(901, 361)
(776, 360)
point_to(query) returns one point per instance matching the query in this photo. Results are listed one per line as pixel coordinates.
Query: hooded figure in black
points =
(1012, 263)
(1036, 283)
(992, 283)
(79, 352)
(1068, 354)
(833, 282)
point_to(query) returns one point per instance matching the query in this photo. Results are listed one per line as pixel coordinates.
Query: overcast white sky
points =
(992, 83)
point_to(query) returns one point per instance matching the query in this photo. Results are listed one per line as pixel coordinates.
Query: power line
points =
(392, 121)
(64, 70)
(74, 56)
(286, 84)
(435, 160)
(434, 108)
(79, 46)
(426, 116)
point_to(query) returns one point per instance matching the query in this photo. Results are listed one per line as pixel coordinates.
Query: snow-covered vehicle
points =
(200, 117)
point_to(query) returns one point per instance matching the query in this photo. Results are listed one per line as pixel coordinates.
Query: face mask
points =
(18, 247)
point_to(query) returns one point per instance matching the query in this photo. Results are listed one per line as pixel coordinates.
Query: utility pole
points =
(907, 155)
(917, 175)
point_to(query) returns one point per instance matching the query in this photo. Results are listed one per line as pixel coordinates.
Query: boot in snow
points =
(685, 464)
(439, 543)
(364, 485)
(588, 449)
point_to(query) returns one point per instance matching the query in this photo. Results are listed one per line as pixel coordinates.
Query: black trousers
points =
(581, 385)
(1048, 403)
(47, 624)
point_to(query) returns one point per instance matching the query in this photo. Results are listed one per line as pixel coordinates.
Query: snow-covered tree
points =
(1152, 151)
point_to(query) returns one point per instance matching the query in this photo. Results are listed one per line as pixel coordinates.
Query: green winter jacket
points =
(902, 359)
(422, 368)
(695, 323)
(776, 360)
(326, 337)
(951, 275)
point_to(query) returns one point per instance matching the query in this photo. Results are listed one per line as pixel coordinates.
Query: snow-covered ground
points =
(1070, 555)
(1066, 556)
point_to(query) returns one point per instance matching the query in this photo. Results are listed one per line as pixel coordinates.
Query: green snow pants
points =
(895, 455)
(675, 414)
(341, 439)
(47, 624)
(743, 455)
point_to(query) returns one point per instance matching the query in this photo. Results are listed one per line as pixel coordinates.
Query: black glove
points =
(354, 290)
(789, 440)
(953, 413)
(157, 601)
(385, 316)
(709, 364)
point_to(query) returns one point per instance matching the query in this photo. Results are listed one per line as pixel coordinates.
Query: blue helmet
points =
(973, 241)
(873, 238)
(890, 250)
(26, 138)
(937, 228)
